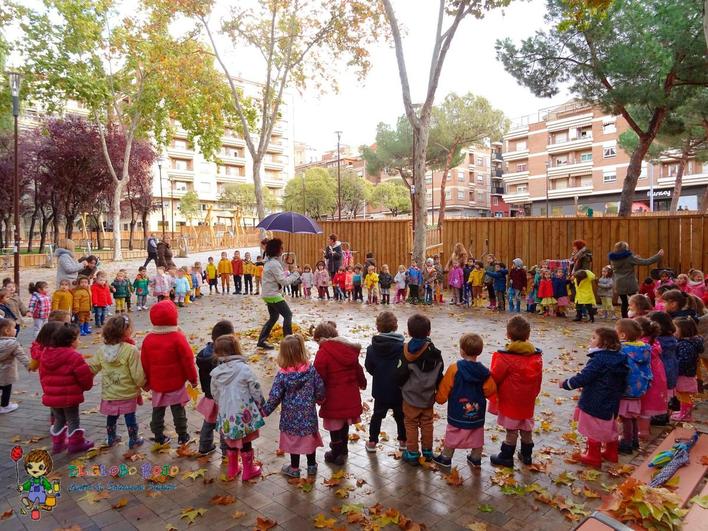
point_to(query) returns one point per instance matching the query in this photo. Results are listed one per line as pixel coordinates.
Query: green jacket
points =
(122, 289)
(141, 285)
(27, 485)
(123, 374)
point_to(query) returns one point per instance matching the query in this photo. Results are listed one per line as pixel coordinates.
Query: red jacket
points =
(545, 288)
(101, 295)
(237, 266)
(340, 279)
(168, 361)
(64, 375)
(337, 363)
(518, 372)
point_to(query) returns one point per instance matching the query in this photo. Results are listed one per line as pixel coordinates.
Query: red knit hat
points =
(164, 313)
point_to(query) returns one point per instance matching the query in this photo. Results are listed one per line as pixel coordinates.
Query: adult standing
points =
(333, 254)
(623, 262)
(459, 256)
(272, 283)
(151, 245)
(91, 267)
(164, 254)
(68, 266)
(581, 257)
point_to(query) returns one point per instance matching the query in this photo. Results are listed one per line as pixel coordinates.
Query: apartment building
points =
(566, 160)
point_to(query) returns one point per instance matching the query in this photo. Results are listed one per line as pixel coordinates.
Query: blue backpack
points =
(467, 405)
(639, 363)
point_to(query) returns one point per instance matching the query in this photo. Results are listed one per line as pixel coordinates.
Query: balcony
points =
(231, 178)
(558, 122)
(272, 165)
(572, 168)
(570, 145)
(516, 155)
(497, 190)
(234, 159)
(515, 177)
(180, 151)
(276, 147)
(497, 155)
(231, 139)
(182, 174)
(497, 172)
(516, 197)
(570, 192)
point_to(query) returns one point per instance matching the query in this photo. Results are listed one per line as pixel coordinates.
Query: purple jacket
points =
(297, 391)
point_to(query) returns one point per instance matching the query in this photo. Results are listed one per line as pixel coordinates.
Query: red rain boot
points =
(58, 440)
(643, 425)
(250, 468)
(592, 456)
(232, 468)
(77, 443)
(610, 453)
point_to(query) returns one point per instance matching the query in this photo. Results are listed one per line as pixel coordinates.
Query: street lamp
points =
(547, 204)
(339, 179)
(15, 82)
(160, 160)
(172, 205)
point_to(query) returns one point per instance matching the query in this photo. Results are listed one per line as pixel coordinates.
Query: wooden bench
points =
(697, 517)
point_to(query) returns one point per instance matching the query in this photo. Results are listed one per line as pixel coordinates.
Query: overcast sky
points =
(471, 65)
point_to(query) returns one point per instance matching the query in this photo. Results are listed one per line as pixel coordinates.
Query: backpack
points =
(639, 363)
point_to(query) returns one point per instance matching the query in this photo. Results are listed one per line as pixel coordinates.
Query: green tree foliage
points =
(356, 192)
(243, 196)
(393, 196)
(190, 206)
(640, 54)
(313, 193)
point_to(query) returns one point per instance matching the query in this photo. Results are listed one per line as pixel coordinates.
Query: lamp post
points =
(172, 205)
(339, 179)
(160, 160)
(15, 81)
(547, 203)
(651, 186)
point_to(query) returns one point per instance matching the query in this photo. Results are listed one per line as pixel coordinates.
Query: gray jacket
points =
(605, 286)
(274, 278)
(10, 351)
(67, 266)
(623, 264)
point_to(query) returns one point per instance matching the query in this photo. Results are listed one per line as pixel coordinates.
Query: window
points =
(495, 200)
(609, 152)
(181, 164)
(559, 138)
(585, 133)
(586, 157)
(585, 180)
(232, 171)
(460, 195)
(559, 184)
(461, 176)
(448, 194)
(481, 197)
(521, 145)
(205, 186)
(561, 160)
(179, 143)
(521, 188)
(428, 179)
(471, 196)
(481, 161)
(672, 169)
(705, 167)
(609, 177)
(609, 127)
(180, 186)
(522, 167)
(480, 178)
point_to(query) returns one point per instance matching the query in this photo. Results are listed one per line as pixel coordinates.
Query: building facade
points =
(566, 160)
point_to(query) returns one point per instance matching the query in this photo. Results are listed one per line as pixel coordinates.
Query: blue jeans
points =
(99, 313)
(130, 420)
(514, 300)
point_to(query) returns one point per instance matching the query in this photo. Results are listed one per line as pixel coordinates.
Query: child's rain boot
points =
(643, 424)
(684, 414)
(58, 440)
(592, 457)
(505, 457)
(232, 467)
(112, 438)
(410, 457)
(610, 452)
(134, 438)
(250, 468)
(525, 453)
(77, 443)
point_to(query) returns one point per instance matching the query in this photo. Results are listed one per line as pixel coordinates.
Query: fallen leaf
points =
(237, 514)
(590, 475)
(383, 437)
(184, 450)
(120, 504)
(485, 508)
(564, 478)
(477, 526)
(133, 456)
(158, 448)
(454, 478)
(7, 514)
(170, 527)
(93, 496)
(343, 492)
(354, 437)
(620, 470)
(704, 460)
(538, 467)
(199, 473)
(698, 500)
(264, 524)
(360, 482)
(190, 514)
(279, 452)
(222, 500)
(322, 522)
(335, 479)
(304, 484)
(16, 438)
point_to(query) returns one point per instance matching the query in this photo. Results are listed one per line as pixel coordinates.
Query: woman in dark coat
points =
(164, 254)
(333, 255)
(581, 256)
(624, 262)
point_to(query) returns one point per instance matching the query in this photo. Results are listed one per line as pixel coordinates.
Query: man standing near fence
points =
(151, 250)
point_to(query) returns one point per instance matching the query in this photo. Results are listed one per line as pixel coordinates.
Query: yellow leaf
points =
(342, 492)
(193, 393)
(237, 514)
(160, 448)
(120, 503)
(199, 473)
(190, 514)
(322, 522)
(477, 526)
(170, 527)
(94, 496)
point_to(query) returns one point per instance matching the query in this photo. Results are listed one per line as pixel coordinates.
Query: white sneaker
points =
(8, 408)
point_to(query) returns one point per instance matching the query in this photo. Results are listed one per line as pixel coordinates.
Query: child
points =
(531, 289)
(197, 280)
(584, 295)
(648, 288)
(100, 298)
(44, 339)
(211, 275)
(238, 396)
(659, 304)
(188, 278)
(517, 284)
(168, 362)
(297, 283)
(545, 293)
(418, 374)
(400, 280)
(499, 277)
(697, 284)
(654, 400)
(249, 270)
(603, 381)
(678, 304)
(347, 256)
(161, 284)
(385, 281)
(339, 284)
(455, 280)
(297, 387)
(357, 283)
(321, 279)
(349, 283)
(466, 287)
(121, 291)
(465, 387)
(40, 305)
(206, 362)
(7, 312)
(141, 286)
(10, 353)
(123, 377)
(489, 282)
(439, 280)
(682, 282)
(688, 350)
(518, 371)
(65, 375)
(638, 357)
(14, 302)
(337, 363)
(476, 281)
(560, 292)
(308, 281)
(129, 296)
(605, 289)
(225, 272)
(182, 288)
(665, 278)
(413, 279)
(258, 273)
(372, 285)
(638, 306)
(382, 357)
(237, 269)
(668, 342)
(370, 261)
(62, 298)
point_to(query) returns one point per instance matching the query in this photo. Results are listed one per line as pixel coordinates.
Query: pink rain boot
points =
(232, 468)
(250, 469)
(77, 443)
(684, 414)
(643, 425)
(58, 440)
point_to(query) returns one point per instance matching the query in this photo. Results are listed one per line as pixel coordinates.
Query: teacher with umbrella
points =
(273, 274)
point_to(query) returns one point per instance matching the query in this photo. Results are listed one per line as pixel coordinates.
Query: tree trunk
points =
(420, 136)
(8, 231)
(117, 195)
(144, 218)
(55, 222)
(132, 232)
(257, 185)
(633, 171)
(99, 231)
(69, 226)
(43, 229)
(676, 194)
(33, 223)
(443, 182)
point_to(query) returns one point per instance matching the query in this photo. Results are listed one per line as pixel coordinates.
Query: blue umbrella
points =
(291, 222)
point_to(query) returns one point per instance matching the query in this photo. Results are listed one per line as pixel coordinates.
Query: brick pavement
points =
(421, 495)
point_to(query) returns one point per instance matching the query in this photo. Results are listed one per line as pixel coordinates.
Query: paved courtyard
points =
(371, 490)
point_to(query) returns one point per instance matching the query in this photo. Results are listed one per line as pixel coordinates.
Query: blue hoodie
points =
(499, 279)
(668, 356)
(467, 405)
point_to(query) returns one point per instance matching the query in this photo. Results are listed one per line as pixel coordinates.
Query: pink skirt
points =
(296, 444)
(461, 438)
(630, 408)
(238, 443)
(687, 384)
(208, 408)
(173, 398)
(514, 424)
(594, 428)
(563, 301)
(338, 424)
(118, 407)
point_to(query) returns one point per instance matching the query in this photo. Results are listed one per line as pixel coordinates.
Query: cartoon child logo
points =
(38, 493)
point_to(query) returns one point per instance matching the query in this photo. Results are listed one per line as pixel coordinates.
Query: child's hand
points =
(560, 384)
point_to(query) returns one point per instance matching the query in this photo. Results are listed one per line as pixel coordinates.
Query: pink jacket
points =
(321, 278)
(697, 288)
(655, 399)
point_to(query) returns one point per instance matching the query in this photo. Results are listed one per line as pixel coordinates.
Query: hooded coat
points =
(419, 372)
(668, 357)
(518, 372)
(238, 395)
(623, 264)
(582, 260)
(67, 266)
(206, 362)
(688, 351)
(381, 361)
(333, 254)
(296, 390)
(10, 353)
(64, 375)
(123, 375)
(101, 295)
(337, 363)
(464, 387)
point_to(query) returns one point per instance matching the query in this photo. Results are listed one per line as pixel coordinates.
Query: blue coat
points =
(688, 351)
(296, 392)
(467, 405)
(668, 356)
(499, 279)
(603, 379)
